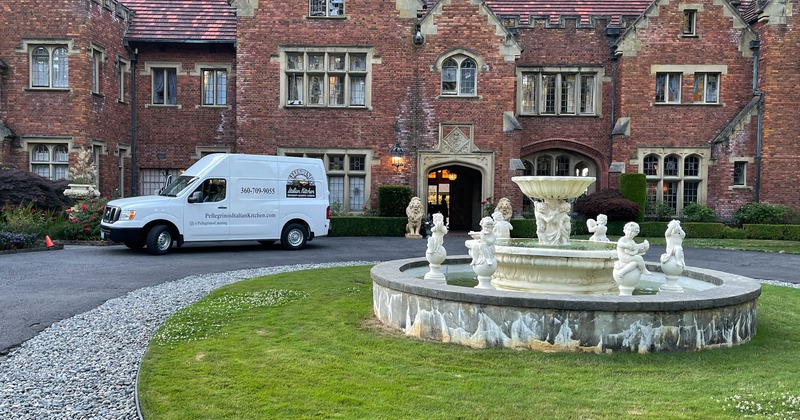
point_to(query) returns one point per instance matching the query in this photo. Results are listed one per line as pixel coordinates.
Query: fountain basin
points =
(553, 187)
(582, 267)
(717, 317)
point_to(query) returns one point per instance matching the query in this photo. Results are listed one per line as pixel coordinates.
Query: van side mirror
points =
(196, 197)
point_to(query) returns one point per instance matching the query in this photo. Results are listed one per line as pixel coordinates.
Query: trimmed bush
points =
(609, 202)
(393, 200)
(792, 233)
(523, 228)
(368, 226)
(760, 214)
(757, 231)
(653, 229)
(733, 233)
(633, 187)
(699, 213)
(22, 188)
(703, 230)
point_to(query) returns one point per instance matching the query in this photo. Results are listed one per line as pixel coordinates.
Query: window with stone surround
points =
(164, 85)
(326, 77)
(706, 88)
(668, 88)
(348, 172)
(215, 87)
(675, 177)
(98, 57)
(123, 68)
(50, 160)
(689, 22)
(49, 66)
(459, 76)
(558, 91)
(325, 8)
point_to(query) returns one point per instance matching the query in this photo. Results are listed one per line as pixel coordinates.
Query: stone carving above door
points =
(454, 140)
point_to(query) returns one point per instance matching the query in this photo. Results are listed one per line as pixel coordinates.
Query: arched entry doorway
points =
(455, 191)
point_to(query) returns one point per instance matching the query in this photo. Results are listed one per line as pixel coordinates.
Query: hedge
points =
(634, 188)
(367, 226)
(393, 200)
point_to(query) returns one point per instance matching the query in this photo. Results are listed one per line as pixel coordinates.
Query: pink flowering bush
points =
(84, 219)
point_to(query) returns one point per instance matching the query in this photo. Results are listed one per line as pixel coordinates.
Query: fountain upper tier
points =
(553, 187)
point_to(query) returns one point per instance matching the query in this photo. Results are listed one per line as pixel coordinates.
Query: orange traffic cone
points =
(48, 242)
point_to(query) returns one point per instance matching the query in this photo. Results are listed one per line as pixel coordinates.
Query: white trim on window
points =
(675, 176)
(559, 91)
(336, 77)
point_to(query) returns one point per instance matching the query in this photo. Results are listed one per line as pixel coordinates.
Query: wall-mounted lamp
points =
(397, 153)
(418, 38)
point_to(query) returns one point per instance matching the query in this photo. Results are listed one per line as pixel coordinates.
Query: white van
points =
(227, 197)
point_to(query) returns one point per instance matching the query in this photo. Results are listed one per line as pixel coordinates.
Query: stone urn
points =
(627, 281)
(81, 191)
(672, 268)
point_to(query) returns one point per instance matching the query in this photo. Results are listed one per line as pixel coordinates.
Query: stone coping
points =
(731, 290)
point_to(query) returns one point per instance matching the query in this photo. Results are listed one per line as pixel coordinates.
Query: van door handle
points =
(222, 207)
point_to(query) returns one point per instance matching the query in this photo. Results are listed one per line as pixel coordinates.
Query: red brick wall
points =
(167, 136)
(76, 113)
(779, 78)
(687, 125)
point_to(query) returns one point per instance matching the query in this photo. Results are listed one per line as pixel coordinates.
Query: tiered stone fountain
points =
(555, 264)
(559, 295)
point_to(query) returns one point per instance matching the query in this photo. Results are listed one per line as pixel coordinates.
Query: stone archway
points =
(456, 151)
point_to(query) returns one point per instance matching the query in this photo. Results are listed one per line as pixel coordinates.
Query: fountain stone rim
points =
(731, 289)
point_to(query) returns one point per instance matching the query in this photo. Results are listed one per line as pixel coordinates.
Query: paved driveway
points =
(40, 288)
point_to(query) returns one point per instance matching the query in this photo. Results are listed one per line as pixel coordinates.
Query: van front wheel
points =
(294, 236)
(159, 240)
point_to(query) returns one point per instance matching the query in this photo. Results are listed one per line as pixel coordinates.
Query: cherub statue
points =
(502, 228)
(436, 240)
(414, 211)
(674, 236)
(630, 253)
(598, 228)
(482, 251)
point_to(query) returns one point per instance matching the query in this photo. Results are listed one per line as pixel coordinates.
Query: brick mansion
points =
(450, 97)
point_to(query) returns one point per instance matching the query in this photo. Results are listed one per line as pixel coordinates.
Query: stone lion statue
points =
(415, 212)
(504, 206)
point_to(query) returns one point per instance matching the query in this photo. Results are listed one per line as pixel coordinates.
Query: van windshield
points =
(178, 185)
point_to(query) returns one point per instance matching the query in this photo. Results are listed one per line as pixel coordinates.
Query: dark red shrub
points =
(609, 202)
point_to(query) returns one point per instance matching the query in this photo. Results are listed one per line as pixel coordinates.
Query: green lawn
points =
(304, 345)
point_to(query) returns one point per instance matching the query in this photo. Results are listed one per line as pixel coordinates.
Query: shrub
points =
(634, 188)
(761, 214)
(523, 228)
(652, 229)
(85, 219)
(21, 188)
(26, 219)
(393, 200)
(703, 230)
(609, 202)
(368, 226)
(9, 240)
(733, 233)
(659, 211)
(699, 213)
(763, 231)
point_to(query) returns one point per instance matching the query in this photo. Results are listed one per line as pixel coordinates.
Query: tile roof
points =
(553, 10)
(181, 20)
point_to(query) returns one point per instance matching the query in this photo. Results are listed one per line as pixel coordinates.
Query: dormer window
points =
(689, 22)
(326, 8)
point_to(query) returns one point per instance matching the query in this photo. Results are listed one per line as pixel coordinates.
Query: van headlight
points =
(127, 215)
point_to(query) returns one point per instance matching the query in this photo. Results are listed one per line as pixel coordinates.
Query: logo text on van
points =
(301, 184)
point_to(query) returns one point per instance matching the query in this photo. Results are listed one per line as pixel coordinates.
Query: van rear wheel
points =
(294, 236)
(159, 240)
